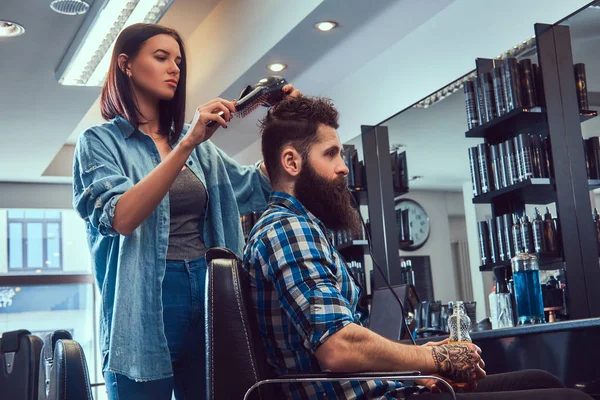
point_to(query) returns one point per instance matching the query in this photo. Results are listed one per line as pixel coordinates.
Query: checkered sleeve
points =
(297, 259)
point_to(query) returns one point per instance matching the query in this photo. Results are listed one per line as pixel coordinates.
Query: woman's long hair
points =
(118, 98)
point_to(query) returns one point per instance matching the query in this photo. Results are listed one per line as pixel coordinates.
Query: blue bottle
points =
(527, 289)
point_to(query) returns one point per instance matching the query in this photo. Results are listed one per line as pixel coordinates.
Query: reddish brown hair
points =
(117, 97)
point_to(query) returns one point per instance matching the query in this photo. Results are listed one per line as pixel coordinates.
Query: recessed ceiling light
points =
(276, 67)
(70, 7)
(10, 29)
(326, 26)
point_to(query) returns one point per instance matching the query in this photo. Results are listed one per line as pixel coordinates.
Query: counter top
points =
(525, 330)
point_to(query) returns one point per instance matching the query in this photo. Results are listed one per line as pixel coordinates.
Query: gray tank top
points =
(187, 198)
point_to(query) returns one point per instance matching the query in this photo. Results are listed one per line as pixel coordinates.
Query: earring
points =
(129, 74)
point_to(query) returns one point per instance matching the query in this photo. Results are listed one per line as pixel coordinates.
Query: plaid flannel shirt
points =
(303, 294)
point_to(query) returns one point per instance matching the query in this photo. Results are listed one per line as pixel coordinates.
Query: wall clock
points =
(419, 222)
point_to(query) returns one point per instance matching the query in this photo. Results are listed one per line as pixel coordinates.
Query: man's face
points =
(321, 184)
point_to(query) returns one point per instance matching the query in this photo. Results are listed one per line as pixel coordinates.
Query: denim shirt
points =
(110, 159)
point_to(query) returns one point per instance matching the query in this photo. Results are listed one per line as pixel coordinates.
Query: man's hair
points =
(294, 121)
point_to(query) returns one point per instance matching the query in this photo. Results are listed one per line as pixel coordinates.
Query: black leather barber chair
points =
(63, 369)
(237, 365)
(19, 358)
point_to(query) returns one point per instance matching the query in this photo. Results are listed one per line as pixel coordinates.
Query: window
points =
(46, 280)
(34, 240)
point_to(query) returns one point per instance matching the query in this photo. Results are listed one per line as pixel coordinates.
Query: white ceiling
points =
(434, 138)
(381, 59)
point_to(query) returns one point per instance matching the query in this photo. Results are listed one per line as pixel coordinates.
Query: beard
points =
(329, 200)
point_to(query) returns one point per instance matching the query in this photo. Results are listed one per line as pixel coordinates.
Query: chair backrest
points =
(236, 358)
(63, 369)
(19, 358)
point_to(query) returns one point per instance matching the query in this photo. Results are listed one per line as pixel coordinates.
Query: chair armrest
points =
(360, 377)
(363, 375)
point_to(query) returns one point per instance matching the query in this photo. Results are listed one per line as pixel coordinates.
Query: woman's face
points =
(155, 70)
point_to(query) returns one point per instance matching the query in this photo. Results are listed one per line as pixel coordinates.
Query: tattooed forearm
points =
(455, 361)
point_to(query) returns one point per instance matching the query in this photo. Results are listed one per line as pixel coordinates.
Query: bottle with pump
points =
(527, 233)
(550, 235)
(504, 301)
(517, 236)
(493, 300)
(537, 226)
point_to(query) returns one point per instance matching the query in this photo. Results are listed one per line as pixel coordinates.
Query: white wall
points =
(439, 206)
(36, 195)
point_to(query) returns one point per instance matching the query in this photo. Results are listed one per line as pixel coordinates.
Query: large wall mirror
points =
(432, 133)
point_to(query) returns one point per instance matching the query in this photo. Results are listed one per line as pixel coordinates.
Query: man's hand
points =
(459, 362)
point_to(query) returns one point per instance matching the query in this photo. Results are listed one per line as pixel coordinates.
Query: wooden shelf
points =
(534, 191)
(520, 120)
(511, 123)
(537, 191)
(353, 244)
(547, 261)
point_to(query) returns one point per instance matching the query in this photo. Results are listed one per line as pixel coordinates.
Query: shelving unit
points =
(560, 120)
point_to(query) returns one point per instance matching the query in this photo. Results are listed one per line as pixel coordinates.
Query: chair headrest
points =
(219, 252)
(50, 342)
(11, 340)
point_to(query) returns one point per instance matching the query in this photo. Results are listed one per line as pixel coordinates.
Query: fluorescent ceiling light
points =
(10, 29)
(276, 67)
(326, 26)
(89, 64)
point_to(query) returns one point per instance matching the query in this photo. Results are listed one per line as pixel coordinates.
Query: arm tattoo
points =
(455, 361)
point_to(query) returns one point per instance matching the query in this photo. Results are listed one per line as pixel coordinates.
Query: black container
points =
(479, 98)
(503, 165)
(527, 234)
(518, 158)
(550, 233)
(484, 243)
(548, 153)
(495, 165)
(592, 151)
(581, 86)
(489, 104)
(539, 162)
(500, 238)
(529, 95)
(537, 227)
(484, 173)
(405, 225)
(493, 239)
(511, 163)
(539, 84)
(474, 167)
(509, 247)
(471, 105)
(517, 235)
(498, 79)
(525, 158)
(513, 84)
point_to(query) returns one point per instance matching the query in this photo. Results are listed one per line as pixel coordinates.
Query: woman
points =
(155, 195)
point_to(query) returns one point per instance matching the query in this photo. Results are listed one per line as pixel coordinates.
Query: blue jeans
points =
(183, 314)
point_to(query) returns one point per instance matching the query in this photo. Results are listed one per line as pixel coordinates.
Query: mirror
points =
(439, 201)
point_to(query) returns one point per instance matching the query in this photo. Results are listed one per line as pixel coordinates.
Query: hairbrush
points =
(266, 92)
